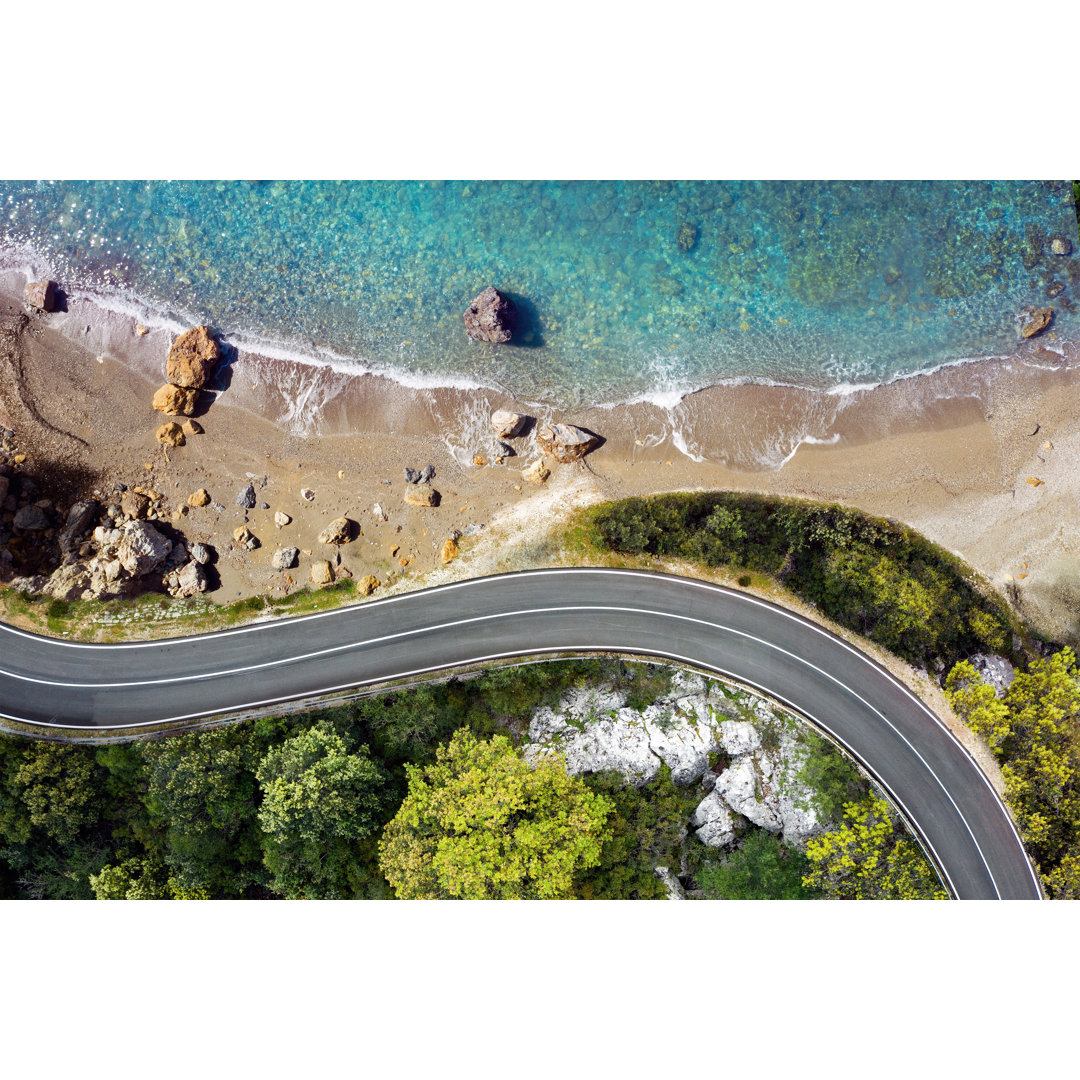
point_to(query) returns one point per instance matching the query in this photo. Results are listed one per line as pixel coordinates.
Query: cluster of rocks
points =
(563, 442)
(189, 369)
(748, 770)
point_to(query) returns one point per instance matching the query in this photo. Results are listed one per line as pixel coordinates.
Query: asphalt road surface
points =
(927, 774)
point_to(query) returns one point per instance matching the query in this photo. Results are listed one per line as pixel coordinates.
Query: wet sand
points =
(949, 452)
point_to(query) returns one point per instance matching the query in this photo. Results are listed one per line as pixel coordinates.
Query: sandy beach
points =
(949, 452)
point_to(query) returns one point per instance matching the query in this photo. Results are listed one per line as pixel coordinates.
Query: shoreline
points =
(947, 451)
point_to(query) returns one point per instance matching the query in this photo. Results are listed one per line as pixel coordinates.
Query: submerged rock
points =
(1061, 245)
(175, 400)
(491, 317)
(1035, 321)
(566, 443)
(192, 358)
(687, 236)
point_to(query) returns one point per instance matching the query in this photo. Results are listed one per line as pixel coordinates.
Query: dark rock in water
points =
(246, 498)
(31, 518)
(891, 275)
(1060, 245)
(192, 358)
(80, 517)
(687, 236)
(41, 295)
(1055, 288)
(504, 450)
(411, 476)
(427, 474)
(1036, 320)
(491, 317)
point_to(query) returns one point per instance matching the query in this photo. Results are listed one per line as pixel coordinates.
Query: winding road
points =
(927, 774)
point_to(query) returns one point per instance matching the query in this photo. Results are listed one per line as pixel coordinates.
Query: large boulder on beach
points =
(566, 443)
(285, 558)
(175, 400)
(171, 434)
(422, 495)
(339, 531)
(192, 358)
(142, 548)
(1036, 320)
(491, 317)
(41, 295)
(507, 424)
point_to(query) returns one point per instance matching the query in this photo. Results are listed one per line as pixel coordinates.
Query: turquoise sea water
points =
(627, 289)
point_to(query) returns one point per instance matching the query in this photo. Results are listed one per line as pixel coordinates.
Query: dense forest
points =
(418, 793)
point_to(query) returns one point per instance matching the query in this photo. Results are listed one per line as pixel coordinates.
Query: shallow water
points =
(626, 289)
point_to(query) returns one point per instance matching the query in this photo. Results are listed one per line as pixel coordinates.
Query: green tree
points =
(870, 858)
(763, 867)
(202, 793)
(481, 823)
(319, 803)
(52, 789)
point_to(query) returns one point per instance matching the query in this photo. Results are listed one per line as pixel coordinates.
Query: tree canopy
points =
(480, 823)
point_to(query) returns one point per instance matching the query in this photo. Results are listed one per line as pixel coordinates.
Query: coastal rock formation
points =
(686, 730)
(192, 358)
(321, 572)
(491, 317)
(171, 434)
(175, 400)
(199, 498)
(285, 558)
(339, 531)
(41, 295)
(1036, 320)
(142, 548)
(507, 424)
(566, 443)
(537, 472)
(422, 495)
(368, 584)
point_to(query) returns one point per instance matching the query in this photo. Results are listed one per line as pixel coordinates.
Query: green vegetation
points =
(870, 858)
(762, 868)
(1034, 730)
(876, 577)
(481, 823)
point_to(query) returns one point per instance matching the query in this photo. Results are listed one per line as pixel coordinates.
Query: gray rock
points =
(246, 497)
(713, 821)
(200, 553)
(427, 474)
(285, 558)
(190, 579)
(491, 316)
(31, 518)
(412, 476)
(32, 584)
(142, 548)
(80, 517)
(264, 506)
(675, 890)
(995, 670)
